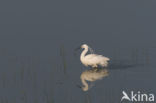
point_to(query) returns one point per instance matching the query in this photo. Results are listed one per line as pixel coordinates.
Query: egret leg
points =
(95, 68)
(91, 67)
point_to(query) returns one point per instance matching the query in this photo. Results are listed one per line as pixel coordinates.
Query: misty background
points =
(38, 38)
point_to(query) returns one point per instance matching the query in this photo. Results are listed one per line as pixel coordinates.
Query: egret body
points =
(92, 60)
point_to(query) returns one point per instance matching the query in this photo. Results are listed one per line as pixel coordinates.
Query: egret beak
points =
(78, 48)
(75, 50)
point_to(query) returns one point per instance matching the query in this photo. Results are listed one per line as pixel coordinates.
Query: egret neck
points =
(84, 53)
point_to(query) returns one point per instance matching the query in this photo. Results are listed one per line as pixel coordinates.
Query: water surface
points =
(37, 42)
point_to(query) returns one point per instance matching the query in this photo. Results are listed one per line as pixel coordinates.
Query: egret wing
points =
(90, 56)
(96, 57)
(103, 57)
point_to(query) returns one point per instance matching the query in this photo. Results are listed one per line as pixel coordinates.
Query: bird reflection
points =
(92, 75)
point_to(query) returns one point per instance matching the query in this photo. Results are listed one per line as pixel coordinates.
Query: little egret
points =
(92, 75)
(92, 59)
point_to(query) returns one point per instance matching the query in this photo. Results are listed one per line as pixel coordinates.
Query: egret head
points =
(84, 46)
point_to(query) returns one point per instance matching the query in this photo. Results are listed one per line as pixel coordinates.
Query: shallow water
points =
(37, 61)
(40, 76)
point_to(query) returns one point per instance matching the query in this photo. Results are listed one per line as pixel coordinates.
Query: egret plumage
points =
(92, 59)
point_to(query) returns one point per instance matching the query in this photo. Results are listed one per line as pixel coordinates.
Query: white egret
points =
(92, 75)
(92, 59)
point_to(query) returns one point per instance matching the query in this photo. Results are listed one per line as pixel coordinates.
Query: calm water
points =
(37, 42)
(46, 74)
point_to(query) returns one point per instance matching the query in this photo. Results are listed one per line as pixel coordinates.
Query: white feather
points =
(92, 59)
